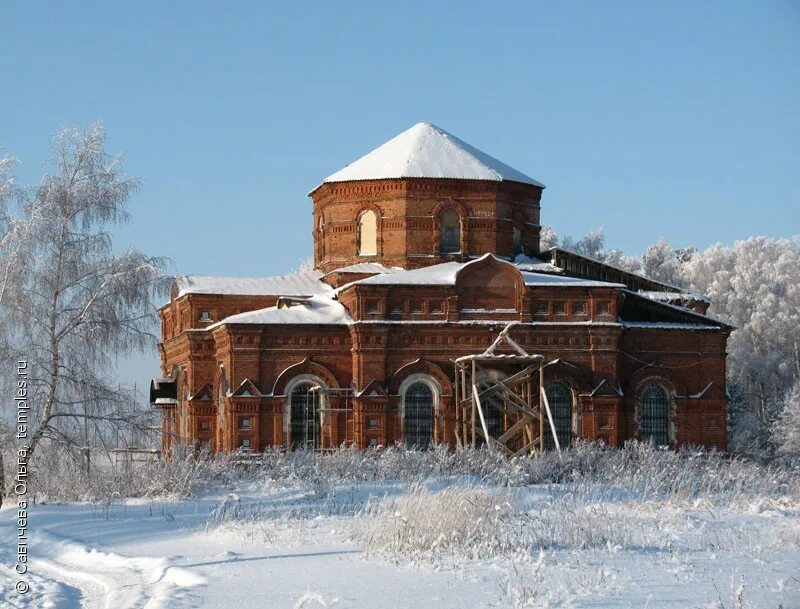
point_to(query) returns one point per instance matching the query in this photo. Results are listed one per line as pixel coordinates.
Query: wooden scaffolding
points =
(519, 398)
(334, 402)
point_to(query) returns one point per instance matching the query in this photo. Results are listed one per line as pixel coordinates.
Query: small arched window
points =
(368, 234)
(654, 415)
(418, 415)
(559, 397)
(450, 231)
(517, 241)
(304, 416)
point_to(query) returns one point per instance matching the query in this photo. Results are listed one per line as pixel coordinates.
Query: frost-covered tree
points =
(6, 263)
(592, 245)
(78, 303)
(786, 428)
(664, 263)
(547, 238)
(755, 286)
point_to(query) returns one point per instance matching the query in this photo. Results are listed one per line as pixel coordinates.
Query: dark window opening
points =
(450, 227)
(654, 407)
(418, 416)
(517, 241)
(492, 407)
(304, 416)
(559, 397)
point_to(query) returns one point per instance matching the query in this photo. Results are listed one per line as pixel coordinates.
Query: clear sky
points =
(652, 119)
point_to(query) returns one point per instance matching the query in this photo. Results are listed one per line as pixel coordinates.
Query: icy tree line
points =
(69, 302)
(754, 286)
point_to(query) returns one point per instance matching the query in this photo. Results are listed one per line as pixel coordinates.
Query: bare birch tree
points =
(77, 303)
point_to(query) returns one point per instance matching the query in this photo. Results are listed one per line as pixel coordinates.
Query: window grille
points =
(418, 416)
(559, 397)
(654, 415)
(304, 416)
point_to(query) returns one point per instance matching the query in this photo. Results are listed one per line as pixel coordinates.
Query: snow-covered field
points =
(442, 540)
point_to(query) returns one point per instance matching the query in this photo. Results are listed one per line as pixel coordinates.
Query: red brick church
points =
(426, 255)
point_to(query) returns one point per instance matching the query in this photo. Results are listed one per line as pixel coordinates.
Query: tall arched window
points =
(418, 415)
(368, 234)
(304, 416)
(450, 231)
(654, 415)
(559, 397)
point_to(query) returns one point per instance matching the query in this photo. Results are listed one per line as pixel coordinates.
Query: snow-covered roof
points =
(426, 151)
(317, 310)
(437, 274)
(295, 284)
(445, 274)
(669, 296)
(366, 267)
(540, 279)
(529, 263)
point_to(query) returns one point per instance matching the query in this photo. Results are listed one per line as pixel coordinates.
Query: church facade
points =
(426, 250)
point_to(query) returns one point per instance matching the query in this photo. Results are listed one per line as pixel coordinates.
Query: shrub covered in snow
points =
(647, 472)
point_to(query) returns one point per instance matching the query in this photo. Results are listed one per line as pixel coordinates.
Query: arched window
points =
(450, 231)
(418, 415)
(304, 416)
(368, 234)
(517, 241)
(559, 397)
(654, 415)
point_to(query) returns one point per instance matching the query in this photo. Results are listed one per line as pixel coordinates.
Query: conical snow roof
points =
(426, 151)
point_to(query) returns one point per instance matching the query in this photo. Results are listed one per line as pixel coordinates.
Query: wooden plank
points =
(514, 430)
(526, 448)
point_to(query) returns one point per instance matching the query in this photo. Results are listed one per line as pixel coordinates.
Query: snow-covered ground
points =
(367, 545)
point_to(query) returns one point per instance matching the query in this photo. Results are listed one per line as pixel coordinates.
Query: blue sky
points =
(651, 119)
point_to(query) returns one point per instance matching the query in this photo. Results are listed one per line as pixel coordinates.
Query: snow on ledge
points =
(665, 325)
(294, 284)
(317, 310)
(366, 267)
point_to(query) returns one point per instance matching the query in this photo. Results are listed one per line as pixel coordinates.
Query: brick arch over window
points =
(368, 231)
(491, 284)
(306, 367)
(420, 366)
(441, 213)
(577, 377)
